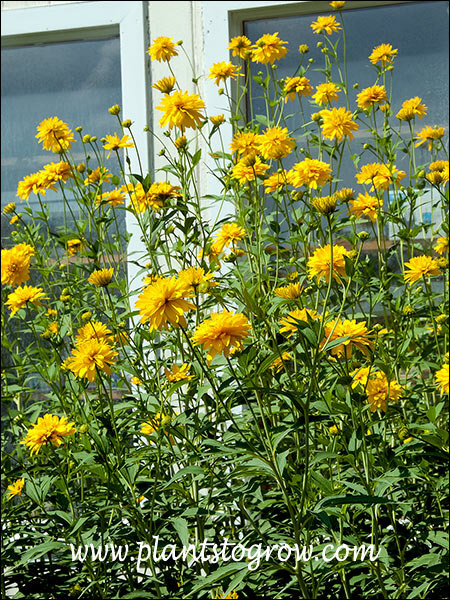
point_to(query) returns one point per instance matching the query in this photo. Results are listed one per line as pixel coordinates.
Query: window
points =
(76, 81)
(421, 68)
(101, 44)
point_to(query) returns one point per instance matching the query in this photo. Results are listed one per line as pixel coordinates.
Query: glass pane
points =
(75, 81)
(418, 30)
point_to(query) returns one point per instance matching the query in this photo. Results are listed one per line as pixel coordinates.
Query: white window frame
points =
(91, 21)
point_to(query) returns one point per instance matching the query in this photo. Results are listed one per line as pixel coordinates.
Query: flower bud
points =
(126, 123)
(303, 48)
(403, 433)
(325, 205)
(114, 110)
(83, 428)
(86, 138)
(363, 235)
(78, 129)
(181, 142)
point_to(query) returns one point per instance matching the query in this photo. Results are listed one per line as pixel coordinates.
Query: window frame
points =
(94, 21)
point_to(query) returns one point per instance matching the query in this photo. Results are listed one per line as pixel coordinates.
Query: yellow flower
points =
(268, 49)
(178, 373)
(221, 71)
(337, 5)
(275, 143)
(296, 86)
(240, 46)
(16, 264)
(31, 183)
(152, 426)
(276, 181)
(290, 323)
(98, 175)
(54, 172)
(90, 357)
(442, 379)
(231, 596)
(441, 245)
(371, 96)
(181, 110)
(325, 205)
(9, 208)
(337, 122)
(221, 333)
(379, 391)
(155, 198)
(22, 296)
(102, 277)
(412, 108)
(357, 334)
(439, 172)
(319, 264)
(360, 376)
(289, 292)
(160, 192)
(325, 93)
(278, 363)
(48, 429)
(113, 142)
(217, 120)
(94, 330)
(196, 279)
(310, 172)
(438, 177)
(345, 194)
(163, 301)
(245, 143)
(162, 49)
(379, 175)
(113, 198)
(334, 430)
(248, 168)
(430, 134)
(420, 266)
(165, 85)
(53, 328)
(74, 246)
(365, 205)
(230, 234)
(383, 54)
(16, 488)
(327, 24)
(55, 135)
